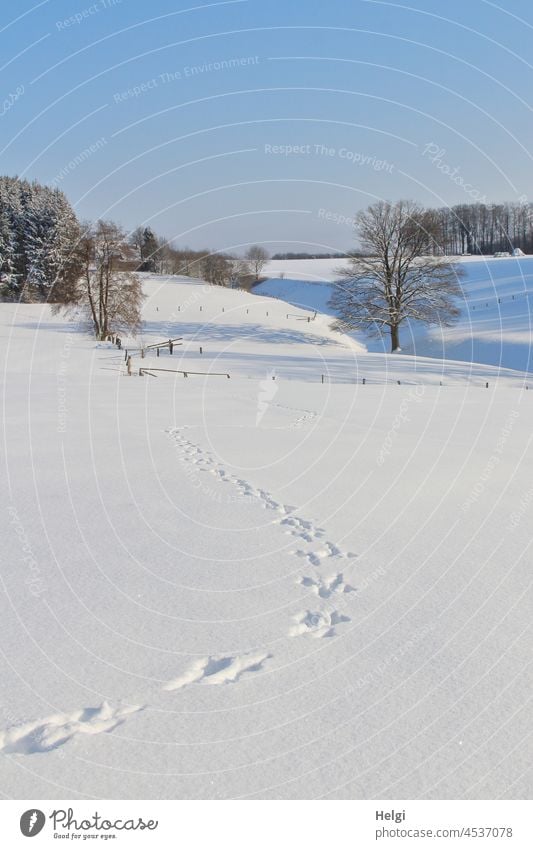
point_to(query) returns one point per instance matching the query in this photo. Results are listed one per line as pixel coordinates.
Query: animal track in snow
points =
(303, 529)
(326, 587)
(293, 525)
(317, 624)
(43, 735)
(191, 453)
(218, 670)
(307, 417)
(315, 557)
(264, 497)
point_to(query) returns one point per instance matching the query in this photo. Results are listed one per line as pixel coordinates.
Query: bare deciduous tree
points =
(111, 298)
(216, 269)
(257, 257)
(397, 278)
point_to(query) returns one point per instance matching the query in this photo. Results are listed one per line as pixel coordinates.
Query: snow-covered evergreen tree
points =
(149, 250)
(7, 239)
(39, 234)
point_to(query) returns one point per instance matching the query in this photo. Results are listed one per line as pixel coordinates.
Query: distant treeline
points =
(480, 228)
(475, 228)
(309, 256)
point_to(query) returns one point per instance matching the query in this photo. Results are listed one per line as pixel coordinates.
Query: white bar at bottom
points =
(270, 824)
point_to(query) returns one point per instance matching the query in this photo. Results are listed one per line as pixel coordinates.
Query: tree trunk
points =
(394, 337)
(92, 304)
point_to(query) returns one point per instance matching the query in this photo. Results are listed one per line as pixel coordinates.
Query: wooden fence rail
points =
(143, 371)
(163, 344)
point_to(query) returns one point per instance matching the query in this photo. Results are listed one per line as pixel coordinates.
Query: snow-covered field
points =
(495, 325)
(258, 587)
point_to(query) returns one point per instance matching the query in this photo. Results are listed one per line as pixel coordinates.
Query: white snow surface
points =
(495, 326)
(256, 587)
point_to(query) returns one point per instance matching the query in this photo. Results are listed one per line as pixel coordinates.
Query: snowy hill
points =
(249, 336)
(495, 324)
(260, 588)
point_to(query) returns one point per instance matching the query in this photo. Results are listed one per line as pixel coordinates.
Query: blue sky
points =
(225, 124)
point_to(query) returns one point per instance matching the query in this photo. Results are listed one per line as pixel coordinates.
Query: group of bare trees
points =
(159, 256)
(109, 292)
(480, 228)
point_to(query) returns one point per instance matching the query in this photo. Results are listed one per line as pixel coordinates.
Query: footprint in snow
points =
(302, 529)
(316, 557)
(326, 587)
(43, 735)
(317, 624)
(218, 670)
